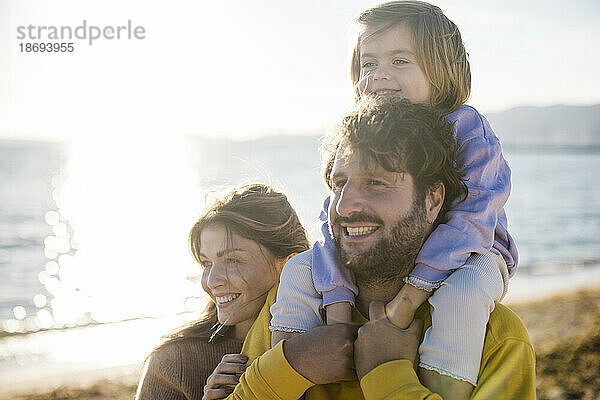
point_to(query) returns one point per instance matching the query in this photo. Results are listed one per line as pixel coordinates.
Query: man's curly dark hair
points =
(401, 137)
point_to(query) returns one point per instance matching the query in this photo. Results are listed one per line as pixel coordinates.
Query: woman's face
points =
(237, 274)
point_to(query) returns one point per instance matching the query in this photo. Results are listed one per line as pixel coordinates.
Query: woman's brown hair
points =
(256, 212)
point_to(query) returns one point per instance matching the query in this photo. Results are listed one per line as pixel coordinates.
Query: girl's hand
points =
(226, 373)
(401, 310)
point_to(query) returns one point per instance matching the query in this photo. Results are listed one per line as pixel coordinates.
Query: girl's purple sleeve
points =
(336, 284)
(478, 223)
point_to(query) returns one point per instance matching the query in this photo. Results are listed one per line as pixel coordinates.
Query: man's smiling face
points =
(378, 221)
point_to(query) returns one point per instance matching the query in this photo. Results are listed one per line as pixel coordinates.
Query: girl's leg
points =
(338, 313)
(460, 310)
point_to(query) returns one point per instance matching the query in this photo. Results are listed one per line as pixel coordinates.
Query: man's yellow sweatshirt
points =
(507, 367)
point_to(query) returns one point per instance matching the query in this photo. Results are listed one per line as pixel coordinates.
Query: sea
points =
(97, 232)
(94, 233)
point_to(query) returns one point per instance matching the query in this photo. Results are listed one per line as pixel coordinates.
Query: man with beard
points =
(392, 173)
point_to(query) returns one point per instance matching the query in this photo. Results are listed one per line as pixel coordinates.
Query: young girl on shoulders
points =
(410, 49)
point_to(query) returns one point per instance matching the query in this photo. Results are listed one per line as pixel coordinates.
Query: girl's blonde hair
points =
(438, 45)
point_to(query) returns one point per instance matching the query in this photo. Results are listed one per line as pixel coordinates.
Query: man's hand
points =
(380, 341)
(324, 354)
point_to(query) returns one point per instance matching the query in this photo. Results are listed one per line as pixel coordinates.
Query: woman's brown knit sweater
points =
(179, 370)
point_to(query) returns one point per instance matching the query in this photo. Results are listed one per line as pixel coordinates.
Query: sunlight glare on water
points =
(119, 243)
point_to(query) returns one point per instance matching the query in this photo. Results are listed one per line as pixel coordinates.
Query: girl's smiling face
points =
(237, 274)
(388, 66)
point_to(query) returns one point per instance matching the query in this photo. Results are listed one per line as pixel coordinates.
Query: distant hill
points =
(559, 125)
(554, 125)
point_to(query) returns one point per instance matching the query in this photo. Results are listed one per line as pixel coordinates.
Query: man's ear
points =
(434, 199)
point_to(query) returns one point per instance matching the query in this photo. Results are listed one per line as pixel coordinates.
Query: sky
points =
(242, 70)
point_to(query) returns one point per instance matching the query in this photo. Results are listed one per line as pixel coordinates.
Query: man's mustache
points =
(357, 217)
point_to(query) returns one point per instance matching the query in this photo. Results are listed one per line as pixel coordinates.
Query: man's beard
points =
(393, 257)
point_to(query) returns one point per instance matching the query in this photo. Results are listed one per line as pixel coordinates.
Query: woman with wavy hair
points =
(241, 242)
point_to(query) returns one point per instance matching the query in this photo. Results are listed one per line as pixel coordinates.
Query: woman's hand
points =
(224, 374)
